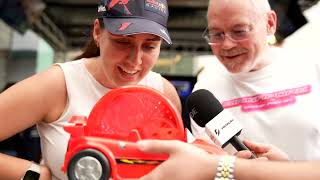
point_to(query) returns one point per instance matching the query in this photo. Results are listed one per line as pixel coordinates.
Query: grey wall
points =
(5, 43)
(23, 56)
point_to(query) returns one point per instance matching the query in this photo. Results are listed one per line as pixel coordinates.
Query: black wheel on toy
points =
(89, 164)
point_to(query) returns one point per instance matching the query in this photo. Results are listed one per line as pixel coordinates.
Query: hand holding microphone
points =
(263, 151)
(220, 126)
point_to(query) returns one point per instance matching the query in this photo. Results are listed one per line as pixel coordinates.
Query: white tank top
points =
(83, 92)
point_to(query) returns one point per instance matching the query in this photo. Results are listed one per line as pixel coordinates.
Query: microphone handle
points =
(239, 146)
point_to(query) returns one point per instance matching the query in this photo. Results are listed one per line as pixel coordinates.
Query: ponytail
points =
(91, 49)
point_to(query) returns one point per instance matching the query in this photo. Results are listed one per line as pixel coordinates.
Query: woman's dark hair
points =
(91, 49)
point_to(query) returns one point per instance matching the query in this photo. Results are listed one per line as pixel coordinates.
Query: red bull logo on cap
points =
(156, 5)
(120, 2)
(124, 26)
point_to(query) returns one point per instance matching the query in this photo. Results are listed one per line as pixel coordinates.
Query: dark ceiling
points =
(66, 24)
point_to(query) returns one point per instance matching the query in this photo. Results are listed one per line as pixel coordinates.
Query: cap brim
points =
(136, 26)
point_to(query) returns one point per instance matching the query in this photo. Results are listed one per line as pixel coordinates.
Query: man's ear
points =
(96, 31)
(271, 23)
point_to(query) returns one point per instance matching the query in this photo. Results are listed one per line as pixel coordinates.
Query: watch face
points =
(31, 175)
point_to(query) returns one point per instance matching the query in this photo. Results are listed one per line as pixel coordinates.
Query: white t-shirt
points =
(278, 104)
(83, 93)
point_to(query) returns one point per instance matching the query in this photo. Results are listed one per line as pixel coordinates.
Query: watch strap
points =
(34, 168)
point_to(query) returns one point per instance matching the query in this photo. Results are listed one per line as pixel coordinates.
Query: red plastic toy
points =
(103, 146)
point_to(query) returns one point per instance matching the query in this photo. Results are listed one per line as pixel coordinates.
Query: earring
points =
(271, 39)
(97, 44)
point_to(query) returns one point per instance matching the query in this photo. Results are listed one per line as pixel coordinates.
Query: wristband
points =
(225, 169)
(32, 173)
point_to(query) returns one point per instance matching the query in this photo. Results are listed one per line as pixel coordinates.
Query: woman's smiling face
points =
(127, 59)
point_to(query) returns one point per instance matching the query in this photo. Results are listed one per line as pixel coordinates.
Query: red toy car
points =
(103, 146)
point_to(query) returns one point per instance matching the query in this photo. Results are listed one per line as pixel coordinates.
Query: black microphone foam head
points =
(203, 106)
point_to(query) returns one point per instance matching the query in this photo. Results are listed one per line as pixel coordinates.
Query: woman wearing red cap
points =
(125, 45)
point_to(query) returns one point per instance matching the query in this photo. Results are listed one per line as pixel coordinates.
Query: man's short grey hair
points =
(261, 6)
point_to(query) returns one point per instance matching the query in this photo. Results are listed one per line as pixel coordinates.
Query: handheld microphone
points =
(221, 126)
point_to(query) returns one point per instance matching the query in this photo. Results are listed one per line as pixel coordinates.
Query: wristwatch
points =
(32, 173)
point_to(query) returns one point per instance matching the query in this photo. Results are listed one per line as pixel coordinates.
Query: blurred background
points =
(34, 34)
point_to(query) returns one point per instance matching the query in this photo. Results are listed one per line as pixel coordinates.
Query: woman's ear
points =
(96, 31)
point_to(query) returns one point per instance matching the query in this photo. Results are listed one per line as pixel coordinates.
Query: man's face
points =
(236, 16)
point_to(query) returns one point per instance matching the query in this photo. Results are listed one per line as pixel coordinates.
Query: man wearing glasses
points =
(274, 94)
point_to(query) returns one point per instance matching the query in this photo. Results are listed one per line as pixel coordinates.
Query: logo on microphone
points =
(193, 112)
(217, 132)
(227, 124)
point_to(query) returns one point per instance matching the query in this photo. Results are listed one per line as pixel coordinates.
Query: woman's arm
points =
(171, 93)
(15, 168)
(189, 162)
(273, 170)
(41, 97)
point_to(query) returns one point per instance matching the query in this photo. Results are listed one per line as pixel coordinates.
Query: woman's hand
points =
(185, 161)
(263, 151)
(45, 173)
